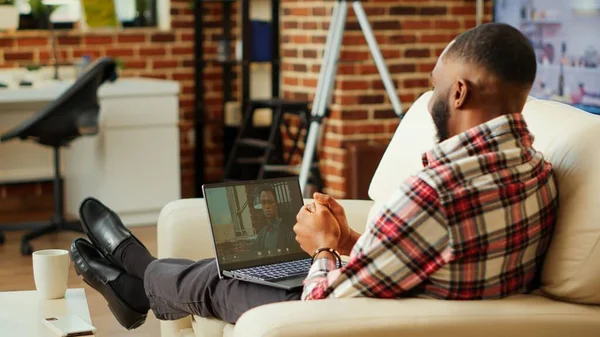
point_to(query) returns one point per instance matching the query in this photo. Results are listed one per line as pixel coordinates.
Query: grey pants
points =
(177, 288)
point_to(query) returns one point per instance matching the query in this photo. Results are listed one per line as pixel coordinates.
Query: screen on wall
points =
(566, 37)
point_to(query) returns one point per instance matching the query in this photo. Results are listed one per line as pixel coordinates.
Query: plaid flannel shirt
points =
(475, 223)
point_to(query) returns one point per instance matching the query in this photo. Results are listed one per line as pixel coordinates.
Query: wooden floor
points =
(16, 274)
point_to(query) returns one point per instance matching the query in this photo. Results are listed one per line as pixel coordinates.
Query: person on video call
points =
(474, 223)
(276, 233)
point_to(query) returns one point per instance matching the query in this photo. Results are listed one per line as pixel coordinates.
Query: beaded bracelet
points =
(337, 256)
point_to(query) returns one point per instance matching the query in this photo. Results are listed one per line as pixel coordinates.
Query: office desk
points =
(132, 164)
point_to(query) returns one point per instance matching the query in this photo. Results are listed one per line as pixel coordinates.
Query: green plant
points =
(7, 2)
(41, 10)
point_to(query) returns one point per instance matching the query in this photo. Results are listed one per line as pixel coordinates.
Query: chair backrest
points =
(73, 114)
(569, 139)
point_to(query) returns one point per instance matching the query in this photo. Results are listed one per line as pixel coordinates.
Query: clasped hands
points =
(323, 224)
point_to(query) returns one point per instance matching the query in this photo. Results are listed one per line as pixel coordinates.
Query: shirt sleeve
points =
(403, 245)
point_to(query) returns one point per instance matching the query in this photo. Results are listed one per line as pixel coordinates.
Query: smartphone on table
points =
(69, 326)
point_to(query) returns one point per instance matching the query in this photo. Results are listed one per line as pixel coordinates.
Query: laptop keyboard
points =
(278, 270)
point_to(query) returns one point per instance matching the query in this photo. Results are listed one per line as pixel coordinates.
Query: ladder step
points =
(259, 143)
(251, 160)
(293, 169)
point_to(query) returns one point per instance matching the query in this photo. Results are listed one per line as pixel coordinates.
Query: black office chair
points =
(72, 115)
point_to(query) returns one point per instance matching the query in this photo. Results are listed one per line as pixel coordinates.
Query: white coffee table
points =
(21, 312)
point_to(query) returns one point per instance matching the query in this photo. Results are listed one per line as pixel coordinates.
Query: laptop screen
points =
(252, 222)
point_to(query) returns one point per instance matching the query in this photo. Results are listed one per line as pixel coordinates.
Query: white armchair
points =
(568, 137)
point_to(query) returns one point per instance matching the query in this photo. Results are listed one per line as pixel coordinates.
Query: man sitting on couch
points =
(474, 223)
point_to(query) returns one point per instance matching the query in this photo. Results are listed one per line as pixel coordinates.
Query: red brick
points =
(386, 25)
(69, 40)
(433, 10)
(401, 39)
(32, 41)
(116, 52)
(129, 38)
(18, 56)
(163, 37)
(433, 38)
(384, 114)
(463, 10)
(347, 55)
(300, 39)
(182, 51)
(417, 83)
(182, 24)
(185, 76)
(403, 10)
(152, 51)
(320, 11)
(426, 67)
(346, 69)
(402, 68)
(353, 40)
(299, 68)
(350, 115)
(309, 25)
(310, 53)
(137, 64)
(290, 25)
(187, 37)
(446, 24)
(416, 24)
(365, 69)
(371, 99)
(93, 53)
(290, 81)
(353, 85)
(7, 42)
(98, 39)
(390, 54)
(299, 11)
(318, 39)
(309, 82)
(290, 53)
(375, 11)
(346, 99)
(46, 55)
(421, 52)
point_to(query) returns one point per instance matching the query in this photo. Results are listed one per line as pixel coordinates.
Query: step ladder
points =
(253, 157)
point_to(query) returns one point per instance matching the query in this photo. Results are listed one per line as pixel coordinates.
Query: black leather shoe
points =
(98, 273)
(104, 228)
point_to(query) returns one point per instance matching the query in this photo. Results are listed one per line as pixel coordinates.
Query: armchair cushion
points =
(568, 138)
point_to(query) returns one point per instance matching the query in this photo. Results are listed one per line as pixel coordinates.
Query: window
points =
(131, 13)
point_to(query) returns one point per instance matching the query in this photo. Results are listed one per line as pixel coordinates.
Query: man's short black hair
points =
(501, 49)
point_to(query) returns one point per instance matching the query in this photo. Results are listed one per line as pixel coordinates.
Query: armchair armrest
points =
(183, 232)
(523, 315)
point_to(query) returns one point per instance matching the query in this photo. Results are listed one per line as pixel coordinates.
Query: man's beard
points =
(440, 113)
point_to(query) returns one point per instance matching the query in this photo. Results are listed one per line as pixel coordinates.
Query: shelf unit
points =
(247, 66)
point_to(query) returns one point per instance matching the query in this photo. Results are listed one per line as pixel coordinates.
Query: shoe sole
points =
(127, 317)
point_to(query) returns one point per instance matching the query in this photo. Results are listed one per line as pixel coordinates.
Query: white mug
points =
(51, 272)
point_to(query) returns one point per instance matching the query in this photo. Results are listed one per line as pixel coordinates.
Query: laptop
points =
(252, 230)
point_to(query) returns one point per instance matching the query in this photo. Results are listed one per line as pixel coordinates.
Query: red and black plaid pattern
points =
(475, 223)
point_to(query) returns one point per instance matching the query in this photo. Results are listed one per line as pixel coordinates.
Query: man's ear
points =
(461, 94)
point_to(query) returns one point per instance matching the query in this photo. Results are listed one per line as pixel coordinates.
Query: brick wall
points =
(146, 52)
(411, 35)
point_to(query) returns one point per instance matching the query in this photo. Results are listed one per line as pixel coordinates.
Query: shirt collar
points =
(480, 139)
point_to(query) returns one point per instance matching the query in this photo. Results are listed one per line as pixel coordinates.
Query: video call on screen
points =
(254, 221)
